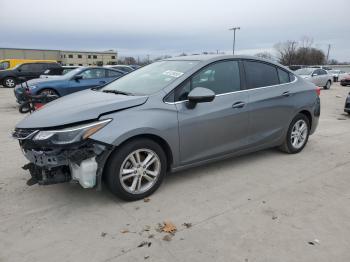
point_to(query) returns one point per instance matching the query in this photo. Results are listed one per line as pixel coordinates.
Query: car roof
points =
(213, 58)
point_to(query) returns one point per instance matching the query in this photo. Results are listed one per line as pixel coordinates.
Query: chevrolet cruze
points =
(168, 116)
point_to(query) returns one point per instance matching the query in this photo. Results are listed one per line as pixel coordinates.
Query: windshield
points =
(304, 71)
(152, 78)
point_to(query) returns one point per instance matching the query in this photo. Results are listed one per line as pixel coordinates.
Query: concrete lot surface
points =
(267, 206)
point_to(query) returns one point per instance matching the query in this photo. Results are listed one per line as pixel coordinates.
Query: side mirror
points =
(201, 95)
(77, 77)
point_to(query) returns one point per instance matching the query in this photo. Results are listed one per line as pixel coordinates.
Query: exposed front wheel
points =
(9, 82)
(136, 169)
(297, 135)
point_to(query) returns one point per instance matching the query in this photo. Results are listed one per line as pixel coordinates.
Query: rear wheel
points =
(136, 169)
(297, 135)
(328, 85)
(9, 82)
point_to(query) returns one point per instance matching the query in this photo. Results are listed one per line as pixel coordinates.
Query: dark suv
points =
(24, 72)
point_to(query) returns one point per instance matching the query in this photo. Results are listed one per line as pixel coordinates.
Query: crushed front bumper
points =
(82, 162)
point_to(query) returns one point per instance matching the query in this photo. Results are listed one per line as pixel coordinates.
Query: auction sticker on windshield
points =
(173, 73)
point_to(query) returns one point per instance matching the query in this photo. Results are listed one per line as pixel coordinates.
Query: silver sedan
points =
(318, 76)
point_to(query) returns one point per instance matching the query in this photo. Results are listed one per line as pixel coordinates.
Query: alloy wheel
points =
(299, 134)
(10, 82)
(140, 171)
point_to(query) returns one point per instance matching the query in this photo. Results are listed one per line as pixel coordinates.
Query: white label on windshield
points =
(173, 73)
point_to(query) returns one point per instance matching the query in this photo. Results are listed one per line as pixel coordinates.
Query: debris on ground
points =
(145, 243)
(341, 118)
(274, 217)
(123, 231)
(187, 225)
(151, 236)
(137, 208)
(264, 202)
(146, 228)
(146, 199)
(146, 257)
(103, 234)
(315, 242)
(339, 96)
(167, 237)
(168, 227)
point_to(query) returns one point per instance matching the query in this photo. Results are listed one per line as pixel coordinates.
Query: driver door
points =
(213, 128)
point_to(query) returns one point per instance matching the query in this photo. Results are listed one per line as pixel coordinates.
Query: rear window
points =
(260, 74)
(283, 76)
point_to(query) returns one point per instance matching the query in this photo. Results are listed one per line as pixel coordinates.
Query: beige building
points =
(76, 58)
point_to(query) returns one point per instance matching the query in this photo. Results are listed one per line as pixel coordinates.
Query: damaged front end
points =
(65, 154)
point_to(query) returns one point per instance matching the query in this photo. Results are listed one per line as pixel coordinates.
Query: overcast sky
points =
(159, 27)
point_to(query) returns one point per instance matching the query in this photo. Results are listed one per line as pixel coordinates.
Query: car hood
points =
(80, 106)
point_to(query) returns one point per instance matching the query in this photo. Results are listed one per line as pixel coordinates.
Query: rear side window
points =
(221, 77)
(283, 76)
(260, 74)
(114, 73)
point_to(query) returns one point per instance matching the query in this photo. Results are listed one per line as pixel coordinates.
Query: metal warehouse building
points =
(65, 57)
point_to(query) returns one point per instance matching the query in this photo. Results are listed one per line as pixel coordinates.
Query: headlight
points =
(71, 134)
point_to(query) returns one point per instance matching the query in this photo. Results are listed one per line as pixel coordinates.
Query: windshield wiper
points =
(117, 92)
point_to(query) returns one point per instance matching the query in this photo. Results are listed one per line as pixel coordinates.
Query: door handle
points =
(287, 93)
(238, 105)
(102, 82)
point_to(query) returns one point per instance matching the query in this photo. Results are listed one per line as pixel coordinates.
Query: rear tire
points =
(328, 85)
(9, 82)
(297, 137)
(129, 163)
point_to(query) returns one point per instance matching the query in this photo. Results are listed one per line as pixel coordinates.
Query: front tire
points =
(136, 169)
(48, 91)
(297, 135)
(9, 82)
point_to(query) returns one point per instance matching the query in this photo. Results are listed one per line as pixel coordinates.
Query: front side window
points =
(93, 73)
(260, 74)
(151, 78)
(221, 77)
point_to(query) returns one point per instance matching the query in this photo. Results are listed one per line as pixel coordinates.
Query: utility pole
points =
(329, 48)
(234, 38)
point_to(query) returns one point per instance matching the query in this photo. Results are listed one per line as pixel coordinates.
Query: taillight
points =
(318, 90)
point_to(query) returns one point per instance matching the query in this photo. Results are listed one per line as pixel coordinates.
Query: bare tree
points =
(286, 52)
(265, 55)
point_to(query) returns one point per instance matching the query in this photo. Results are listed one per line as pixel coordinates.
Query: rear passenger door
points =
(270, 103)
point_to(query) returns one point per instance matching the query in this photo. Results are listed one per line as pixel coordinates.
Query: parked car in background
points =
(168, 116)
(124, 68)
(11, 63)
(321, 67)
(54, 72)
(76, 80)
(345, 81)
(337, 74)
(347, 105)
(24, 72)
(319, 77)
